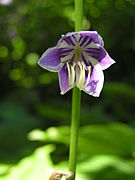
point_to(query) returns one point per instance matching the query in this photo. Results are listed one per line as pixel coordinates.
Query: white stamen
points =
(81, 81)
(69, 74)
(88, 78)
(72, 76)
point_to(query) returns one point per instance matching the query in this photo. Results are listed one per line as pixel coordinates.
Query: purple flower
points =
(79, 58)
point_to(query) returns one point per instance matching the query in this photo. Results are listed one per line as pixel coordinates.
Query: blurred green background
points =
(35, 118)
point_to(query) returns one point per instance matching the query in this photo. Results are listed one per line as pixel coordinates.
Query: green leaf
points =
(36, 166)
(116, 138)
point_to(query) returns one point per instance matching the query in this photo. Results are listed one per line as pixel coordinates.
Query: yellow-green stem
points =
(76, 100)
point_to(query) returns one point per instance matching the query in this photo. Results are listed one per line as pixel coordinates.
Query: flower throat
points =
(77, 53)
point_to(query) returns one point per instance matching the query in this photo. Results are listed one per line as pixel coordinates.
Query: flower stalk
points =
(76, 100)
(79, 58)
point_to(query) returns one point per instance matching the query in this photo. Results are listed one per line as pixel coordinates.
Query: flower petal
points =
(50, 60)
(63, 44)
(67, 41)
(67, 57)
(64, 80)
(95, 82)
(100, 55)
(105, 60)
(84, 37)
(93, 35)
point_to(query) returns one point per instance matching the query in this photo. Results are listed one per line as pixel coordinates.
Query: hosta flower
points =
(79, 58)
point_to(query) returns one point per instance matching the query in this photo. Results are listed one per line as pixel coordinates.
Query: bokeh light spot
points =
(32, 59)
(15, 74)
(18, 48)
(3, 51)
(103, 4)
(28, 82)
(94, 11)
(86, 24)
(47, 78)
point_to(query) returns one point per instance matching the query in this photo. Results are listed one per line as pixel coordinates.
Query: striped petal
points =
(90, 35)
(67, 57)
(99, 55)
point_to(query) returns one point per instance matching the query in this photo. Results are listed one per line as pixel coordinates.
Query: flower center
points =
(77, 53)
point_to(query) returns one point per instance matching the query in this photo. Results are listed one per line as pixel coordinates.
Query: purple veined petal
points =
(87, 62)
(50, 60)
(71, 33)
(93, 62)
(105, 61)
(67, 58)
(64, 44)
(89, 41)
(95, 82)
(67, 40)
(94, 52)
(82, 37)
(85, 40)
(64, 80)
(64, 51)
(100, 55)
(96, 38)
(77, 38)
(71, 38)
(91, 46)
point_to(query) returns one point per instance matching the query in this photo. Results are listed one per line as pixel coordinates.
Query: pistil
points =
(77, 53)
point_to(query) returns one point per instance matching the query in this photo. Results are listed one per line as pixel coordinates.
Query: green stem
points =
(76, 100)
(78, 15)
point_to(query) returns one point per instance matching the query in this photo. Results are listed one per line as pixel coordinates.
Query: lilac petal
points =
(85, 37)
(65, 51)
(105, 60)
(64, 80)
(96, 80)
(67, 40)
(50, 60)
(96, 38)
(99, 55)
